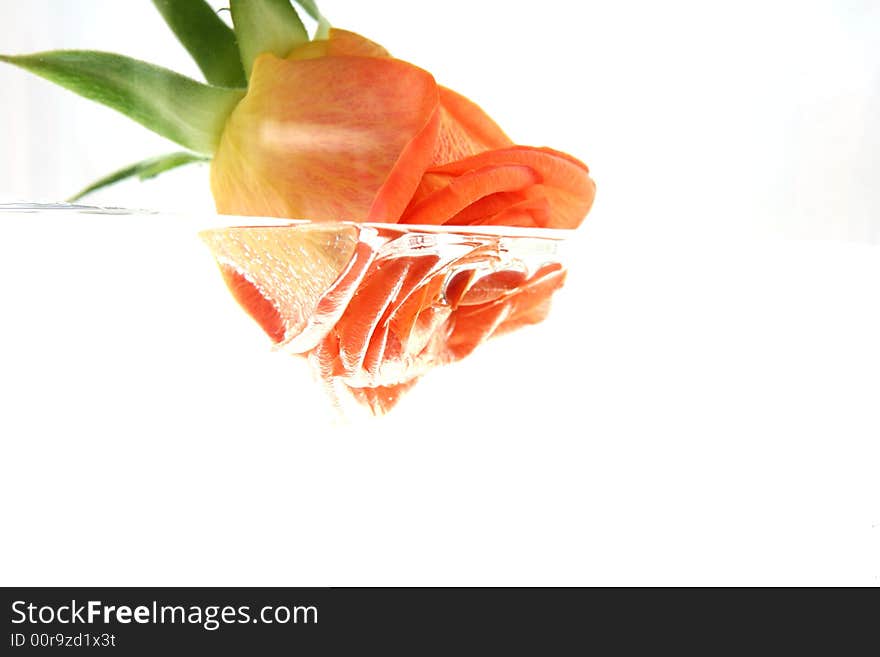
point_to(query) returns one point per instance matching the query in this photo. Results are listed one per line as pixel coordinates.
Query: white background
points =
(701, 407)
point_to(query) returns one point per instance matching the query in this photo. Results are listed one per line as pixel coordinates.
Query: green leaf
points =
(209, 40)
(146, 169)
(179, 108)
(266, 26)
(311, 8)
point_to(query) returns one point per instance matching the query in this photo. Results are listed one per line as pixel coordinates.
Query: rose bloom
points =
(398, 184)
(339, 130)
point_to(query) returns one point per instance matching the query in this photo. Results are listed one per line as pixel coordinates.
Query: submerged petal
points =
(374, 308)
(283, 276)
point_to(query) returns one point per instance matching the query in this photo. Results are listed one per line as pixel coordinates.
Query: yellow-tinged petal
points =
(339, 42)
(319, 138)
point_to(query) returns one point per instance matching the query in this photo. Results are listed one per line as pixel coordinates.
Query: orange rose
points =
(376, 139)
(335, 131)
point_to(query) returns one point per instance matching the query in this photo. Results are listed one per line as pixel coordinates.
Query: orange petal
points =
(518, 305)
(457, 286)
(473, 327)
(396, 193)
(487, 206)
(375, 295)
(470, 186)
(322, 138)
(465, 129)
(386, 345)
(334, 301)
(381, 399)
(493, 286)
(418, 318)
(325, 359)
(534, 212)
(563, 180)
(430, 183)
(340, 42)
(531, 303)
(281, 274)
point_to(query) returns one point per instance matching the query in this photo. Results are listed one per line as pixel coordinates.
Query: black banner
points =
(314, 621)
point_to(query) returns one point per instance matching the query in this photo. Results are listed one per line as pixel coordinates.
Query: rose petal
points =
(492, 286)
(535, 212)
(281, 274)
(473, 326)
(419, 317)
(564, 180)
(488, 206)
(386, 345)
(381, 399)
(334, 302)
(531, 302)
(323, 138)
(339, 42)
(468, 187)
(465, 129)
(355, 328)
(397, 191)
(527, 303)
